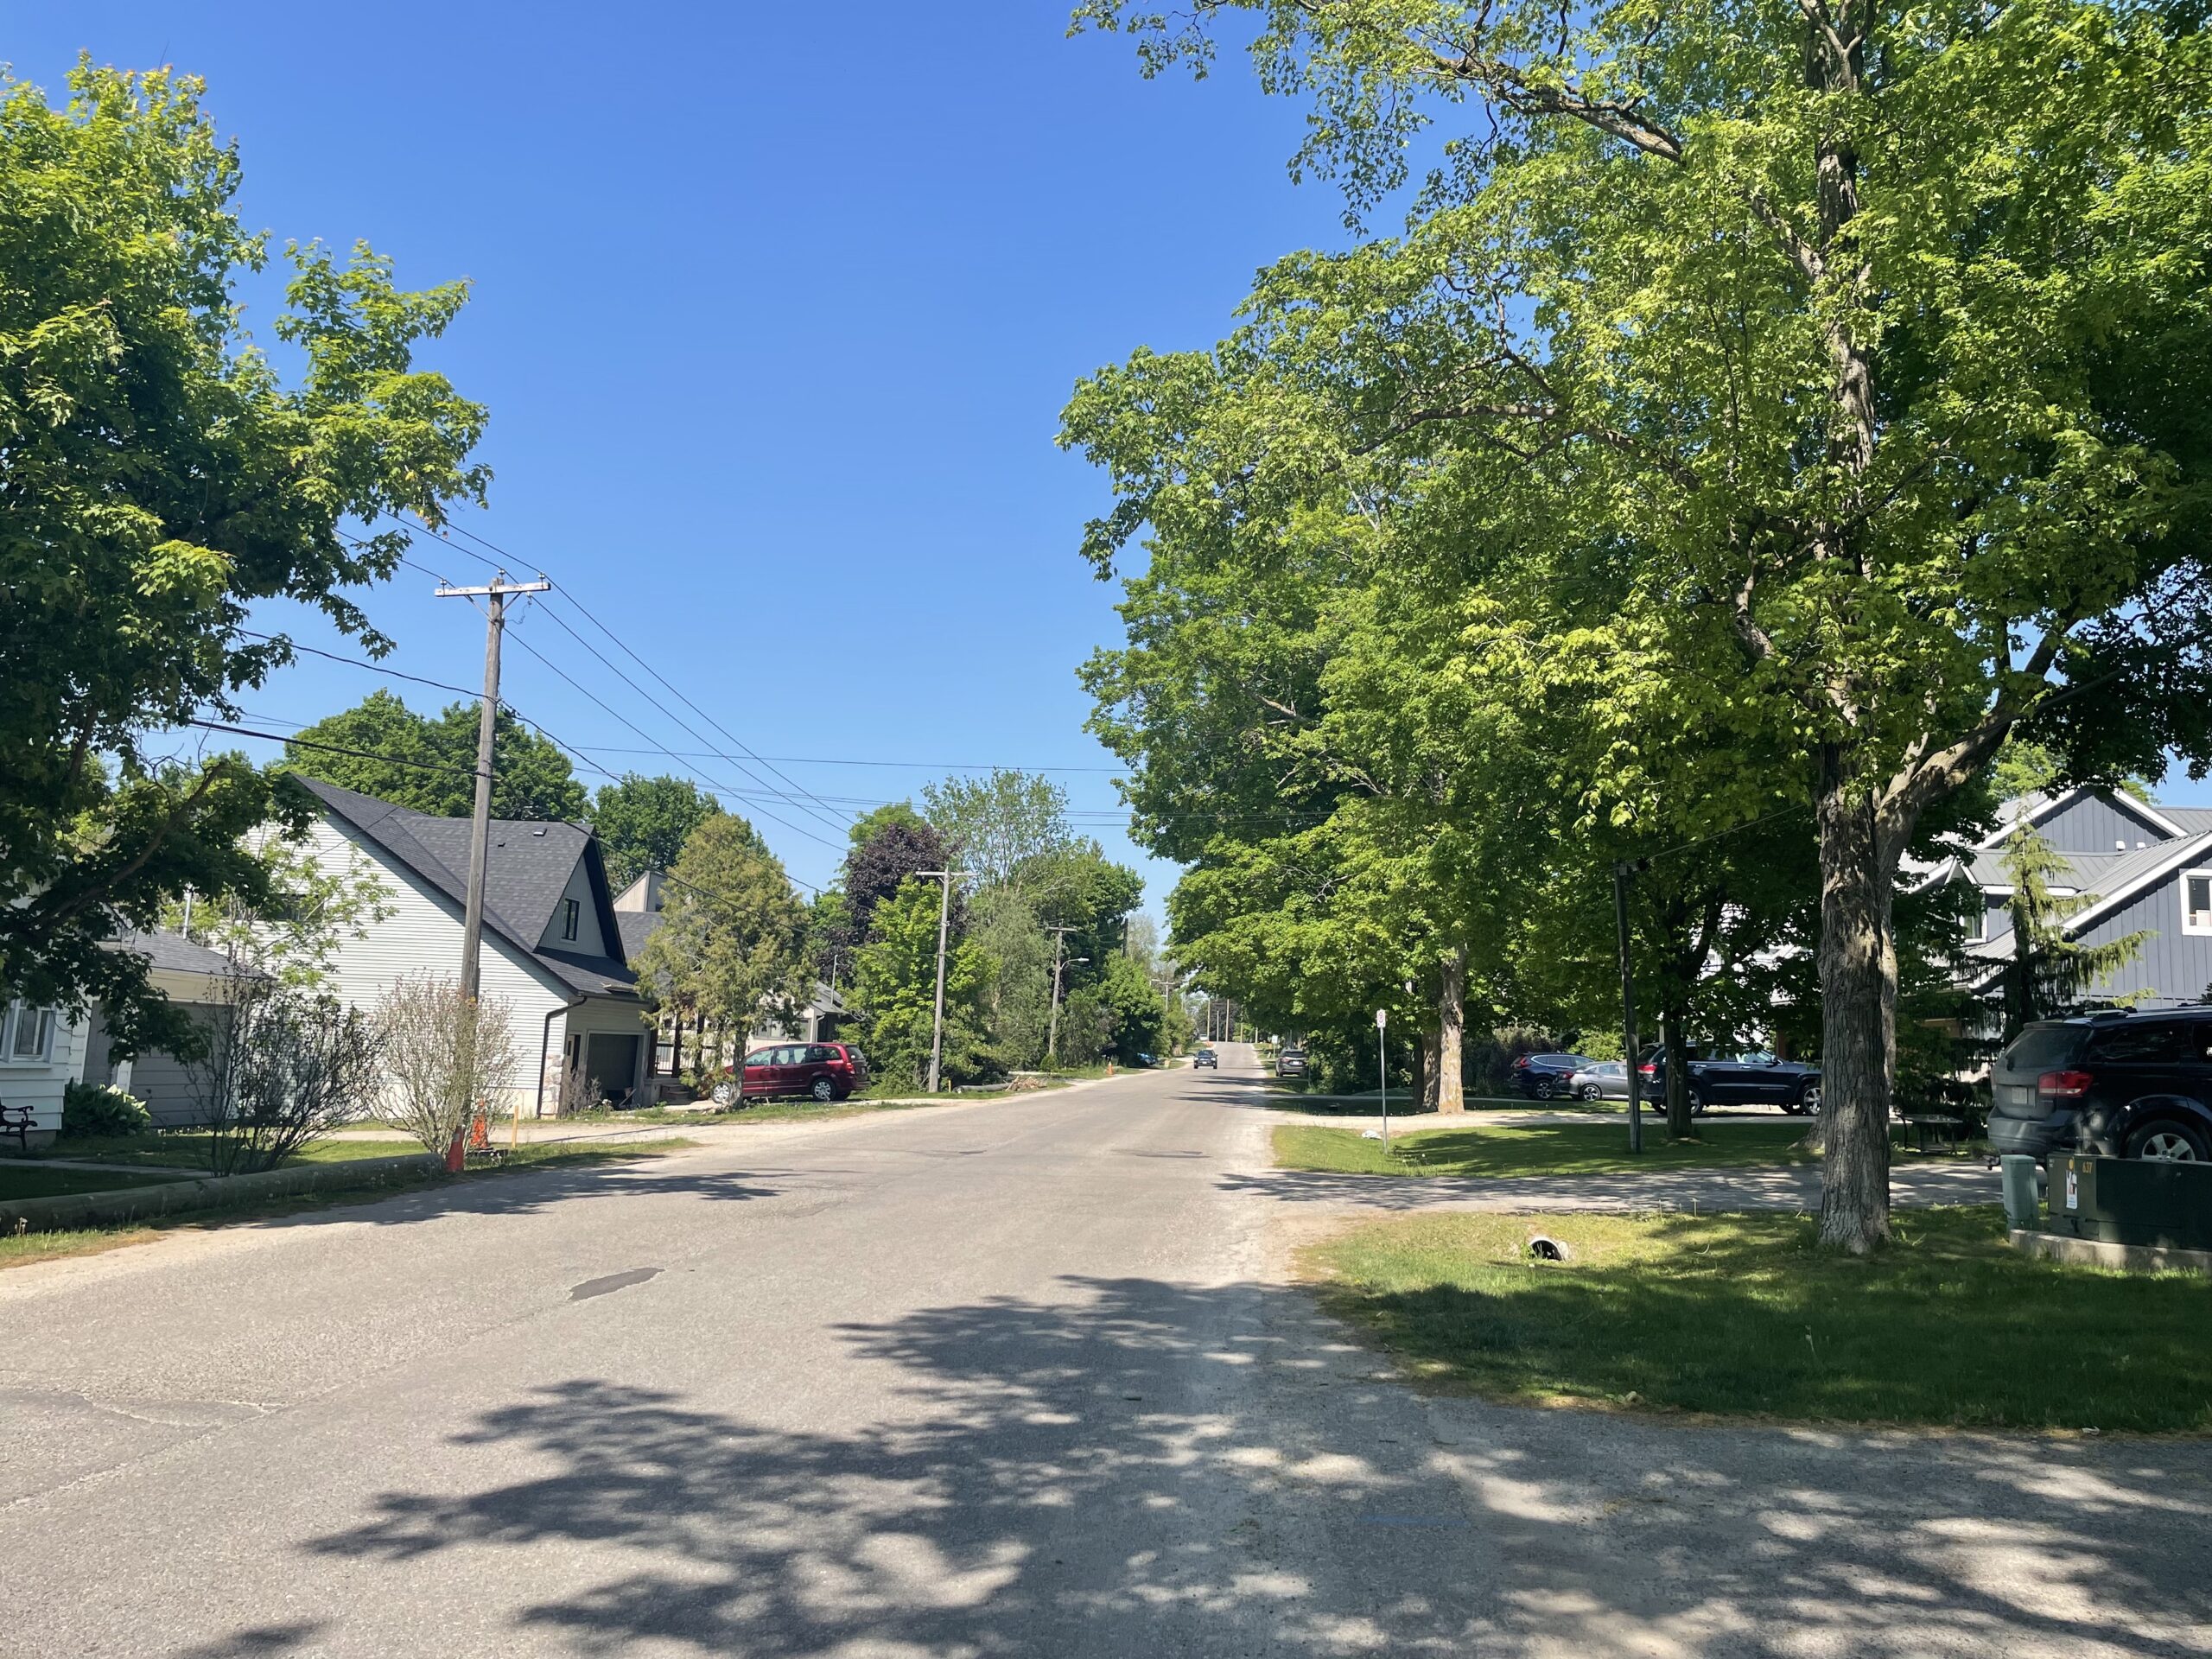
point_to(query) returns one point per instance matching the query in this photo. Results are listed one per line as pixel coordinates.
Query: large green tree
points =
(158, 476)
(895, 989)
(381, 747)
(1855, 351)
(642, 823)
(729, 948)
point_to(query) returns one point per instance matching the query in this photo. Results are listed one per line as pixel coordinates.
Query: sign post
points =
(1381, 1073)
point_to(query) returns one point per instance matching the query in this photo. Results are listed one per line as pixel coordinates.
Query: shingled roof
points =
(525, 878)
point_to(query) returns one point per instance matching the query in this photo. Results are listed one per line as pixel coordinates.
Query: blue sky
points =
(774, 322)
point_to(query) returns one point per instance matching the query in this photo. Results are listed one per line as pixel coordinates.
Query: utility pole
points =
(1052, 1029)
(943, 921)
(479, 829)
(1622, 870)
(1382, 1074)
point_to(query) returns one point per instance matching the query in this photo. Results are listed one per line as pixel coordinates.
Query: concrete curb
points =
(2103, 1253)
(172, 1197)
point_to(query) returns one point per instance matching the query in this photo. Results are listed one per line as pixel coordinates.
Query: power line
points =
(331, 749)
(586, 612)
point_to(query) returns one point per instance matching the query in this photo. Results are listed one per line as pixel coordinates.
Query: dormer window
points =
(1978, 925)
(571, 915)
(2196, 901)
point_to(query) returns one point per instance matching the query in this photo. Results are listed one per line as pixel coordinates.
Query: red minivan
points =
(825, 1070)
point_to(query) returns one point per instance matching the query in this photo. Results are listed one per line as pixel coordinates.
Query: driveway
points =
(1018, 1378)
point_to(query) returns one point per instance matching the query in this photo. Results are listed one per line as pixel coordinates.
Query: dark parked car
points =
(2125, 1085)
(1206, 1056)
(1745, 1078)
(825, 1070)
(1290, 1063)
(1599, 1080)
(1547, 1077)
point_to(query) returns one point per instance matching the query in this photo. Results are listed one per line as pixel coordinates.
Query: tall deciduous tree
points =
(381, 747)
(728, 947)
(999, 824)
(642, 823)
(157, 477)
(896, 990)
(1859, 347)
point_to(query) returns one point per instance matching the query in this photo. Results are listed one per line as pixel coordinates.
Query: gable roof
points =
(525, 877)
(2037, 809)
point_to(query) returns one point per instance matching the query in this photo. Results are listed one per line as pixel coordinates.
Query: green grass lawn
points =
(1537, 1148)
(1739, 1314)
(22, 1249)
(188, 1149)
(32, 1181)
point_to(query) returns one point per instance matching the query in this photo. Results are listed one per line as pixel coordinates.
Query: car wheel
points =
(824, 1089)
(1588, 1092)
(2169, 1142)
(724, 1093)
(1809, 1101)
(1544, 1089)
(1697, 1104)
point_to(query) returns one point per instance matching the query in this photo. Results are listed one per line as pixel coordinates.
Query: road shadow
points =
(1780, 1186)
(1139, 1467)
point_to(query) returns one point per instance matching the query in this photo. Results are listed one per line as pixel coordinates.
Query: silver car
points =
(1599, 1080)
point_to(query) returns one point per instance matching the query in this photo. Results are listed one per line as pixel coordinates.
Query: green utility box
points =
(2131, 1201)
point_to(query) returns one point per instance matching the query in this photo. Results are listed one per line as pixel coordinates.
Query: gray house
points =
(2146, 869)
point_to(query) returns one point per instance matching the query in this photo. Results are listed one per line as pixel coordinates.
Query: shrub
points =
(447, 1056)
(91, 1108)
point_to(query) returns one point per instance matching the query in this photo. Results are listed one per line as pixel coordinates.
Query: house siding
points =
(2171, 963)
(422, 936)
(40, 1085)
(589, 941)
(2095, 823)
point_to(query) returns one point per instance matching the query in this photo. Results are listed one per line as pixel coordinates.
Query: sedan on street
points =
(1206, 1056)
(1599, 1080)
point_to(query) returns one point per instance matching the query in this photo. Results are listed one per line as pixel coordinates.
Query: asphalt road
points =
(1008, 1379)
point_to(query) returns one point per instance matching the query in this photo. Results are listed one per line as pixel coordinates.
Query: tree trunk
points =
(1859, 1006)
(1680, 1124)
(1452, 1033)
(1420, 1091)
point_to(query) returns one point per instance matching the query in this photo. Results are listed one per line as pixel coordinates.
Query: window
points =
(2151, 1042)
(571, 911)
(2196, 901)
(29, 1033)
(1977, 924)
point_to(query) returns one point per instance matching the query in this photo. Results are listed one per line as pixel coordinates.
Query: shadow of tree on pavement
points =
(1140, 1467)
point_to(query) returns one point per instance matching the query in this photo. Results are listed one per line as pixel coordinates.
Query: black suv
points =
(1751, 1077)
(1547, 1077)
(2125, 1085)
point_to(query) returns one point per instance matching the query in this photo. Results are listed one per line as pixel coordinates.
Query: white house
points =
(41, 1055)
(552, 946)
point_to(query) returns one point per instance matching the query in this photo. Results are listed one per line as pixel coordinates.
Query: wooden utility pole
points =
(1052, 1028)
(944, 921)
(479, 829)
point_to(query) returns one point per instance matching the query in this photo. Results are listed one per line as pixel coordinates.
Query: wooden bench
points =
(16, 1121)
(1947, 1131)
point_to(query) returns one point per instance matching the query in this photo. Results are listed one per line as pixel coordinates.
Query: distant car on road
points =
(1599, 1080)
(1206, 1056)
(1290, 1063)
(2124, 1085)
(826, 1071)
(1749, 1077)
(1547, 1077)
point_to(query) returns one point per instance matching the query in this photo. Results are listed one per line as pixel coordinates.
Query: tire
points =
(1697, 1104)
(724, 1093)
(2169, 1141)
(1809, 1100)
(823, 1090)
(1546, 1089)
(1588, 1092)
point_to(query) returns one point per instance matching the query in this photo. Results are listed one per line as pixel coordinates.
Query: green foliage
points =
(381, 747)
(730, 942)
(895, 991)
(1779, 413)
(1000, 826)
(89, 1109)
(642, 823)
(161, 479)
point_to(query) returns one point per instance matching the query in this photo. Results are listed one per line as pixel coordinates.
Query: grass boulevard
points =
(20, 1250)
(1501, 1149)
(1741, 1315)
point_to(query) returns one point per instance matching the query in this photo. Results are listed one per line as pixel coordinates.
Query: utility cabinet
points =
(2131, 1201)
